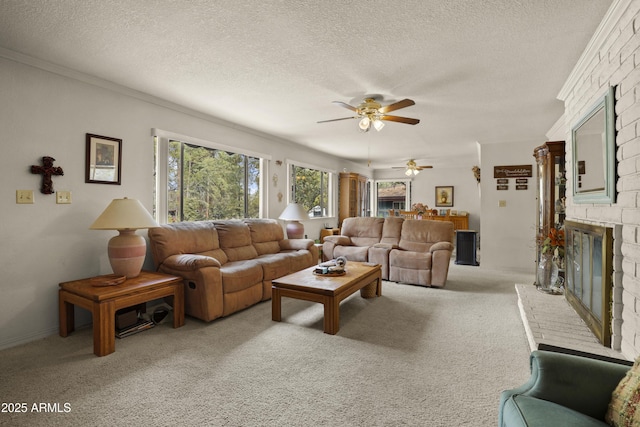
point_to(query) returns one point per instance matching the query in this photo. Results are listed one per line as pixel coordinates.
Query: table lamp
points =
(294, 213)
(126, 250)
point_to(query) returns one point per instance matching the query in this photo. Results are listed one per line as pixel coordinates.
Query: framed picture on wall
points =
(444, 196)
(104, 160)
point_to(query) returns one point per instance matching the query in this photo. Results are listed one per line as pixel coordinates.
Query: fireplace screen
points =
(589, 254)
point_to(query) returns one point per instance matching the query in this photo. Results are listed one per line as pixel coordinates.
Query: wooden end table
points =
(326, 290)
(103, 301)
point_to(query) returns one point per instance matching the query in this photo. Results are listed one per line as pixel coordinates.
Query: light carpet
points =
(415, 356)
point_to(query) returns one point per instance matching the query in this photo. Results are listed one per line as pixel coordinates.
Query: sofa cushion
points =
(527, 411)
(274, 265)
(265, 235)
(235, 240)
(419, 235)
(410, 260)
(185, 238)
(624, 408)
(391, 230)
(352, 253)
(363, 231)
(240, 275)
(300, 259)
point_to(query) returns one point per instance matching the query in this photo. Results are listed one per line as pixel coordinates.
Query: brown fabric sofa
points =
(227, 265)
(409, 251)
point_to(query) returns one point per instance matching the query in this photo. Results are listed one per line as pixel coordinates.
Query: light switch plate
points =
(502, 204)
(24, 197)
(63, 197)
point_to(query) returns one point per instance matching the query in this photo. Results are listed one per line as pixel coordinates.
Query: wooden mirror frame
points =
(606, 193)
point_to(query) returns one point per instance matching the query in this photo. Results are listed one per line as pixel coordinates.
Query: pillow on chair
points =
(624, 408)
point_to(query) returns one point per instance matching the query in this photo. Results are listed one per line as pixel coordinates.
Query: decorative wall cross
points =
(47, 170)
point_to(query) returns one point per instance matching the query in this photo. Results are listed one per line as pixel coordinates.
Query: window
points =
(311, 188)
(391, 195)
(196, 181)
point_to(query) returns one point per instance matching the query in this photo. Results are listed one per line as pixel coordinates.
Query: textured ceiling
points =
(479, 70)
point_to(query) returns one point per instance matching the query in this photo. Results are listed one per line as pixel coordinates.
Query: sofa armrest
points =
(582, 384)
(295, 244)
(190, 262)
(441, 246)
(330, 242)
(339, 240)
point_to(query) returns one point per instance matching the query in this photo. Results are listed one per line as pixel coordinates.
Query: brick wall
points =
(614, 60)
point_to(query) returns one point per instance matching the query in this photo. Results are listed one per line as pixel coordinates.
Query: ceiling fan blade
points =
(345, 105)
(396, 106)
(406, 120)
(424, 167)
(335, 120)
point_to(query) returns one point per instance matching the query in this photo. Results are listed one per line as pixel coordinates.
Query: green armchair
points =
(564, 390)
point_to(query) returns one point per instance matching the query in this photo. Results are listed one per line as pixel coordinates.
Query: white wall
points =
(47, 114)
(508, 233)
(466, 195)
(611, 59)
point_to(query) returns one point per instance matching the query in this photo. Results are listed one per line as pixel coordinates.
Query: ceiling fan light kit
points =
(410, 172)
(372, 113)
(366, 123)
(412, 168)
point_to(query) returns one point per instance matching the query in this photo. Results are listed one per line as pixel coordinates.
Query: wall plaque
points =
(518, 171)
(502, 180)
(502, 187)
(522, 181)
(521, 186)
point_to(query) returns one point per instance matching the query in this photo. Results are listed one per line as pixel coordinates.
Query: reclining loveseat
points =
(409, 250)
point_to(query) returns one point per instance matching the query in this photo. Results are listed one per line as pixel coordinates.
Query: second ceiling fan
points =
(412, 168)
(371, 113)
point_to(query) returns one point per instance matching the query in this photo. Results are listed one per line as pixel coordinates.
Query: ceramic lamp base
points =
(295, 230)
(127, 252)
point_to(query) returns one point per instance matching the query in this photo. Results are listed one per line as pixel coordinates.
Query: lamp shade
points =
(123, 214)
(294, 213)
(126, 250)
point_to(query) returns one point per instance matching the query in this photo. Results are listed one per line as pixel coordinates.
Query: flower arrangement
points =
(553, 243)
(420, 208)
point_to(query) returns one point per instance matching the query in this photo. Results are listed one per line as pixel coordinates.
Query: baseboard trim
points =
(24, 339)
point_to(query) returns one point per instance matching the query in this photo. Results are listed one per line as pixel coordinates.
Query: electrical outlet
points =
(63, 197)
(24, 196)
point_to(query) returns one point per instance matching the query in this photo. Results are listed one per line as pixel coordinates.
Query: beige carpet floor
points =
(413, 357)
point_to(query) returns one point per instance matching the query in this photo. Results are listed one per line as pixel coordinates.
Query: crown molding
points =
(608, 23)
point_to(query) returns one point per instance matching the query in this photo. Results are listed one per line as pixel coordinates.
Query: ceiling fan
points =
(372, 113)
(412, 168)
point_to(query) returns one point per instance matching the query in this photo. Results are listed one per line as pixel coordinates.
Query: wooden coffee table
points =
(329, 291)
(103, 301)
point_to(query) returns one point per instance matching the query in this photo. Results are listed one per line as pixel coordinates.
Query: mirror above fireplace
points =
(593, 153)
